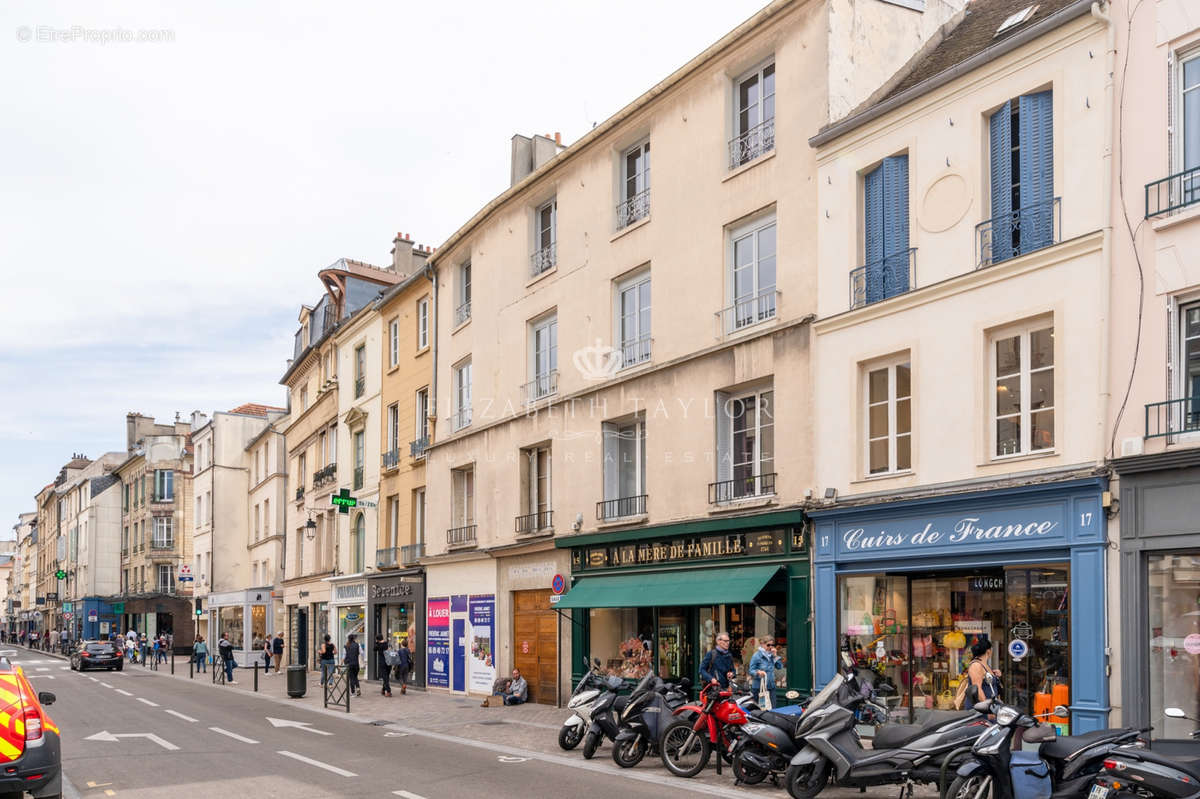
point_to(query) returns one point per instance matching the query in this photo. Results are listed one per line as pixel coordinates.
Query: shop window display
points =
(231, 625)
(746, 624)
(1174, 626)
(258, 622)
(622, 640)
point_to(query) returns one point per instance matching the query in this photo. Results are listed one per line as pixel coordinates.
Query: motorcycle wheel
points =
(745, 773)
(570, 735)
(590, 744)
(973, 787)
(808, 780)
(628, 754)
(684, 751)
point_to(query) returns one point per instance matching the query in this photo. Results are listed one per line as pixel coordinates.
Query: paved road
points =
(135, 735)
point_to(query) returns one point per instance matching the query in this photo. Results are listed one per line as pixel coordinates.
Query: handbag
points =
(945, 700)
(764, 696)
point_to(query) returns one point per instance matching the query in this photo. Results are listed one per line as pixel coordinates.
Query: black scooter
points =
(604, 716)
(648, 711)
(1167, 770)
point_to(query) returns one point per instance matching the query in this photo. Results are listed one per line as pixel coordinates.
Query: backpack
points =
(391, 657)
(964, 685)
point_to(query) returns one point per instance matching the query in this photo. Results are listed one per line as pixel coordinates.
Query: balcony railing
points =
(750, 487)
(541, 386)
(1020, 232)
(633, 208)
(325, 475)
(748, 311)
(462, 418)
(158, 499)
(299, 493)
(358, 477)
(165, 588)
(1173, 417)
(387, 558)
(1173, 192)
(635, 351)
(535, 522)
(544, 259)
(411, 553)
(621, 508)
(756, 141)
(462, 313)
(360, 386)
(124, 552)
(888, 277)
(391, 458)
(461, 536)
(416, 449)
(162, 543)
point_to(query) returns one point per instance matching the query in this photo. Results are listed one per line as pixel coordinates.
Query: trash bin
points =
(297, 681)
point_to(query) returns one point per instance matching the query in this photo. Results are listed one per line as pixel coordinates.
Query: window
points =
(1023, 390)
(301, 470)
(332, 446)
(462, 395)
(624, 469)
(462, 308)
(633, 319)
(208, 507)
(635, 185)
(360, 370)
(358, 544)
(393, 528)
(1188, 150)
(359, 458)
(266, 518)
(125, 501)
(752, 275)
(257, 522)
(536, 467)
(1021, 143)
(322, 448)
(422, 415)
(754, 116)
(304, 398)
(886, 256)
(419, 515)
(124, 539)
(546, 238)
(393, 432)
(888, 418)
(463, 488)
(745, 446)
(422, 323)
(163, 535)
(1188, 382)
(166, 579)
(394, 343)
(543, 358)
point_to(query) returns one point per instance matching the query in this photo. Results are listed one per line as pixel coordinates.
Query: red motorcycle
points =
(687, 743)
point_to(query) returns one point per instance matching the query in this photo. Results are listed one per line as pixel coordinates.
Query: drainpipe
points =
(1106, 257)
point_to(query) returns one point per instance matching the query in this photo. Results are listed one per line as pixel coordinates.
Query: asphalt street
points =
(133, 734)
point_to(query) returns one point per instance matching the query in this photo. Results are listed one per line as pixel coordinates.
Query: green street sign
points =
(60, 574)
(343, 500)
(66, 606)
(118, 607)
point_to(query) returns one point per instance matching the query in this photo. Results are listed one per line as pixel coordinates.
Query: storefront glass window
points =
(874, 619)
(352, 620)
(320, 627)
(674, 651)
(231, 625)
(400, 624)
(258, 622)
(622, 640)
(746, 624)
(1174, 594)
(1038, 613)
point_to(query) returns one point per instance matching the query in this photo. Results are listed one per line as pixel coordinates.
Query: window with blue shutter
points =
(1024, 209)
(885, 229)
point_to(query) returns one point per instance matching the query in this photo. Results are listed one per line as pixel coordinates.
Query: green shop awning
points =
(656, 589)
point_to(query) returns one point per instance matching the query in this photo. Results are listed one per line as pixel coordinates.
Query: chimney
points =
(402, 254)
(529, 153)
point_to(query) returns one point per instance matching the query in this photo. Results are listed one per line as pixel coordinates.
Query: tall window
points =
(633, 319)
(163, 535)
(164, 485)
(543, 360)
(360, 370)
(754, 116)
(393, 527)
(745, 445)
(462, 395)
(393, 428)
(1021, 138)
(322, 448)
(889, 418)
(462, 307)
(635, 185)
(422, 323)
(304, 398)
(463, 489)
(537, 484)
(302, 469)
(624, 469)
(359, 458)
(257, 522)
(422, 414)
(1023, 390)
(358, 544)
(166, 579)
(266, 518)
(547, 237)
(419, 515)
(394, 342)
(752, 274)
(332, 446)
(885, 234)
(1189, 113)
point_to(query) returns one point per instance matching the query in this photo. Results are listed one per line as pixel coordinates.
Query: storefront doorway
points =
(1174, 647)
(535, 643)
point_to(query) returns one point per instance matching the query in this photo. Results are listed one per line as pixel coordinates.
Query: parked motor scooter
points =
(603, 712)
(995, 770)
(590, 686)
(1166, 770)
(641, 722)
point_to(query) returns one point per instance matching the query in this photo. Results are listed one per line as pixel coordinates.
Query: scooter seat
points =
(1181, 755)
(784, 721)
(620, 702)
(895, 736)
(1062, 748)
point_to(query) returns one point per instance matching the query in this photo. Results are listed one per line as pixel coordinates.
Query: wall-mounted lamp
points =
(310, 529)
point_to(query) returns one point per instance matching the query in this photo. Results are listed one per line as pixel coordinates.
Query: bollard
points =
(256, 676)
(191, 667)
(215, 669)
(172, 663)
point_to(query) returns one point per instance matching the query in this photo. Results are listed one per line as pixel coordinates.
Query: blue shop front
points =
(908, 586)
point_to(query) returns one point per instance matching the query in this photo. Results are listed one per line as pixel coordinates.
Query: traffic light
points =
(199, 606)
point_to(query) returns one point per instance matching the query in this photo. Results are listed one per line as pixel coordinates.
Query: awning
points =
(686, 587)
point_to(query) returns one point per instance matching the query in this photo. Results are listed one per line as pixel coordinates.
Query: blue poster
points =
(483, 637)
(459, 632)
(437, 643)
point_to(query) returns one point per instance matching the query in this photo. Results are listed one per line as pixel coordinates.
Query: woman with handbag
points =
(762, 672)
(404, 665)
(385, 658)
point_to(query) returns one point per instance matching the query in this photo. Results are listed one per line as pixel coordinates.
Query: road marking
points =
(43, 668)
(93, 679)
(146, 701)
(395, 735)
(106, 685)
(407, 795)
(41, 676)
(300, 725)
(233, 735)
(339, 771)
(124, 693)
(109, 792)
(508, 759)
(105, 735)
(64, 668)
(93, 784)
(177, 714)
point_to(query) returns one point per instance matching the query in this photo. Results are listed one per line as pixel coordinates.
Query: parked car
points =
(96, 655)
(29, 744)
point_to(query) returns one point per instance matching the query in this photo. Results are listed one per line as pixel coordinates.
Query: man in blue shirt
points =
(717, 664)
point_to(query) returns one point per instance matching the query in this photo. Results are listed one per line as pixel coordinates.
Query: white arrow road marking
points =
(64, 668)
(105, 735)
(122, 692)
(41, 676)
(179, 715)
(339, 771)
(300, 725)
(233, 735)
(395, 735)
(8, 653)
(143, 701)
(507, 759)
(407, 795)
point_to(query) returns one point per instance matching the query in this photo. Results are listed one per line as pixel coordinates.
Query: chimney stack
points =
(402, 254)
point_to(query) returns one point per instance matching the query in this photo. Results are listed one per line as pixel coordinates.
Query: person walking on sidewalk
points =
(328, 659)
(200, 654)
(385, 658)
(266, 654)
(350, 658)
(277, 650)
(162, 649)
(65, 641)
(226, 651)
(404, 664)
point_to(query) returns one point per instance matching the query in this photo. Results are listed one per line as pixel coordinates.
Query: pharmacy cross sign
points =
(343, 500)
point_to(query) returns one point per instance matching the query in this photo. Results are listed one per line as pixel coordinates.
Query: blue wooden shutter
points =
(873, 230)
(895, 225)
(1037, 170)
(1000, 241)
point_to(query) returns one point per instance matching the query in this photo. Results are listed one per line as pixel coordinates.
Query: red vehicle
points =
(687, 743)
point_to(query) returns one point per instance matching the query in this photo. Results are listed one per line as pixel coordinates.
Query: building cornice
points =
(1184, 458)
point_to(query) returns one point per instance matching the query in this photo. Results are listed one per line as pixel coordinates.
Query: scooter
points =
(1167, 770)
(589, 687)
(602, 713)
(996, 770)
(650, 705)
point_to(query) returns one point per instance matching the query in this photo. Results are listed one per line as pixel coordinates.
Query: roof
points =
(964, 43)
(99, 484)
(256, 409)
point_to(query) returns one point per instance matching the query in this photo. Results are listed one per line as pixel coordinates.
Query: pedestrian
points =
(200, 654)
(266, 654)
(404, 664)
(277, 650)
(162, 649)
(350, 658)
(762, 672)
(385, 658)
(143, 646)
(717, 664)
(225, 649)
(328, 659)
(65, 641)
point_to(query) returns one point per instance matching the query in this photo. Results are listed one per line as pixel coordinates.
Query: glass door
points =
(1038, 612)
(673, 650)
(1174, 626)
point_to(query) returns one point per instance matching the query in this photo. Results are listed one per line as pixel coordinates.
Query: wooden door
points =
(535, 643)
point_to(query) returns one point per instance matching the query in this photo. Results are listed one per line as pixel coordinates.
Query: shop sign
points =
(686, 549)
(1022, 630)
(985, 584)
(392, 590)
(350, 592)
(437, 637)
(1017, 649)
(482, 614)
(1191, 644)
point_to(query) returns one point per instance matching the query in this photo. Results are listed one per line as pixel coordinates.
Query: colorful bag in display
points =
(954, 640)
(945, 700)
(890, 624)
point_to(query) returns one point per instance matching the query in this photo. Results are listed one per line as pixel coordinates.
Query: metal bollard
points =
(191, 667)
(256, 676)
(172, 663)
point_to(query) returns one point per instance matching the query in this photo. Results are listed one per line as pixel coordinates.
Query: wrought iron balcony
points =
(416, 449)
(158, 499)
(750, 487)
(387, 558)
(162, 543)
(411, 553)
(535, 522)
(621, 508)
(633, 208)
(635, 351)
(1020, 232)
(462, 418)
(1173, 417)
(324, 475)
(542, 386)
(888, 277)
(754, 142)
(544, 259)
(391, 458)
(360, 386)
(462, 313)
(358, 477)
(165, 588)
(299, 493)
(461, 536)
(748, 311)
(1173, 193)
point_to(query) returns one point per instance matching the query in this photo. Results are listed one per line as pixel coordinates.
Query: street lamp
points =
(310, 529)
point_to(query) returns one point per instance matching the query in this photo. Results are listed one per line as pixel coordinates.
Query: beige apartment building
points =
(90, 538)
(623, 385)
(54, 513)
(15, 609)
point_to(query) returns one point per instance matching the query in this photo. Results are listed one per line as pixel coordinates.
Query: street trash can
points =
(297, 681)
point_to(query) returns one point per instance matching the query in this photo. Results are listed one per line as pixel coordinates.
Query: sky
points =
(174, 174)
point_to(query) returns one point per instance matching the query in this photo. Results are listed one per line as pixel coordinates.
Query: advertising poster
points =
(437, 648)
(482, 611)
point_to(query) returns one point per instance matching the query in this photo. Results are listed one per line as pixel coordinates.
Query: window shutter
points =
(895, 225)
(724, 438)
(612, 457)
(1037, 170)
(1001, 169)
(1171, 418)
(873, 240)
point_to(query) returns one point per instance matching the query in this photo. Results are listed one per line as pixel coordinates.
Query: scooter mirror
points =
(1061, 711)
(597, 662)
(982, 707)
(1174, 713)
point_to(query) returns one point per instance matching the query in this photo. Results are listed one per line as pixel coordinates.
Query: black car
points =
(96, 654)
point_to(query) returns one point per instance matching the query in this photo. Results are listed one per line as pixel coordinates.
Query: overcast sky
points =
(165, 205)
